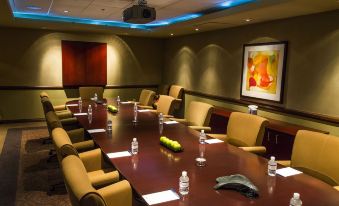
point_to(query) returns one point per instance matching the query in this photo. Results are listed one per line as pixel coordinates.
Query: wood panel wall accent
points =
(84, 63)
(304, 114)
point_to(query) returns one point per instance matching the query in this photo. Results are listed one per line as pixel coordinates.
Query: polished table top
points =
(156, 168)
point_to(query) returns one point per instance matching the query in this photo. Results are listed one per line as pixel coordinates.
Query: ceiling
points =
(88, 15)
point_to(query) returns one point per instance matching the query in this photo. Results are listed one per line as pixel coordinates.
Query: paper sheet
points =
(72, 105)
(171, 122)
(143, 110)
(159, 197)
(213, 141)
(92, 131)
(126, 102)
(288, 171)
(80, 114)
(119, 154)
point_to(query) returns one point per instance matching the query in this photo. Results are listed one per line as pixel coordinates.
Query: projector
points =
(139, 14)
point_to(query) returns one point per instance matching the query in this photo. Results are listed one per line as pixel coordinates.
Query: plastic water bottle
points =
(202, 137)
(118, 101)
(90, 111)
(80, 104)
(135, 112)
(95, 97)
(295, 200)
(272, 167)
(134, 146)
(184, 183)
(161, 118)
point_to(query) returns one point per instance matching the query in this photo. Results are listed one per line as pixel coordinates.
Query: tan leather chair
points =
(198, 116)
(146, 99)
(245, 131)
(316, 154)
(82, 193)
(176, 91)
(165, 105)
(99, 172)
(61, 110)
(86, 93)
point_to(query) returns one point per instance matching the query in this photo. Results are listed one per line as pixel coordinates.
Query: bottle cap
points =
(90, 106)
(184, 173)
(272, 158)
(202, 131)
(134, 139)
(296, 195)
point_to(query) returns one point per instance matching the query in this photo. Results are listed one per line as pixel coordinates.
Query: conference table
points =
(156, 168)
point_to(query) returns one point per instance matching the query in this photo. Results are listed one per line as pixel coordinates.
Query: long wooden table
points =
(156, 168)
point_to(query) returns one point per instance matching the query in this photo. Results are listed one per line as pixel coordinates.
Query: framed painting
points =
(263, 71)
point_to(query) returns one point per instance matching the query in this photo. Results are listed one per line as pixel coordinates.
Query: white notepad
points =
(159, 197)
(72, 105)
(213, 141)
(144, 110)
(80, 114)
(126, 102)
(171, 122)
(92, 131)
(119, 154)
(288, 171)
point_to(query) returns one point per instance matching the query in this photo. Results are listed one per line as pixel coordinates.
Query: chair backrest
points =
(47, 105)
(43, 94)
(87, 93)
(79, 187)
(62, 144)
(317, 154)
(52, 121)
(146, 97)
(176, 91)
(245, 130)
(165, 105)
(199, 113)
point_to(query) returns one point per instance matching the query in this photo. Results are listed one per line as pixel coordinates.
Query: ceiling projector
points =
(139, 14)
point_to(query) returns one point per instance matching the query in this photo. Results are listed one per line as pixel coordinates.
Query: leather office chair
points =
(99, 172)
(82, 193)
(245, 131)
(316, 154)
(198, 116)
(47, 106)
(86, 93)
(146, 99)
(165, 105)
(176, 91)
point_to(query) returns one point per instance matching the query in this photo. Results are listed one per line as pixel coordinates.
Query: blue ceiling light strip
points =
(148, 27)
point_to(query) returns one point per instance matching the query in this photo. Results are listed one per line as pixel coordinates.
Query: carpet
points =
(25, 174)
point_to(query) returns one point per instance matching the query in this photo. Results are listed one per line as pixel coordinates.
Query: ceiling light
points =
(33, 7)
(172, 34)
(196, 29)
(248, 19)
(66, 11)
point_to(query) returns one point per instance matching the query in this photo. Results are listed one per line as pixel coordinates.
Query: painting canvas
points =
(263, 71)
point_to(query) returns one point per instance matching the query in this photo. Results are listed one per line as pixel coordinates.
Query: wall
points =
(211, 63)
(33, 58)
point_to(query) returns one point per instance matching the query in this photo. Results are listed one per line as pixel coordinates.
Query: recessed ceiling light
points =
(66, 11)
(248, 19)
(33, 7)
(172, 34)
(196, 29)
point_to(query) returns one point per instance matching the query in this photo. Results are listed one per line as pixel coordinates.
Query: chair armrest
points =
(76, 135)
(64, 114)
(255, 149)
(92, 160)
(69, 121)
(222, 137)
(286, 163)
(168, 116)
(60, 107)
(145, 107)
(336, 187)
(199, 128)
(100, 178)
(84, 145)
(153, 110)
(118, 194)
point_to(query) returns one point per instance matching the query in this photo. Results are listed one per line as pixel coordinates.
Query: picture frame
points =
(263, 71)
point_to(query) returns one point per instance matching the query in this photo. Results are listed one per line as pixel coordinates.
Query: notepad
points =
(144, 110)
(92, 131)
(119, 154)
(126, 102)
(171, 122)
(160, 197)
(213, 141)
(288, 171)
(80, 114)
(72, 105)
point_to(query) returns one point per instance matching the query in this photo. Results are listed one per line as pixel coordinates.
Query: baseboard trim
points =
(75, 87)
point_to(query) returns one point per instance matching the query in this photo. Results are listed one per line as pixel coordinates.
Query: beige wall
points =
(211, 62)
(33, 58)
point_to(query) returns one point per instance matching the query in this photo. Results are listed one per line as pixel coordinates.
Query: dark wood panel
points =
(280, 109)
(96, 64)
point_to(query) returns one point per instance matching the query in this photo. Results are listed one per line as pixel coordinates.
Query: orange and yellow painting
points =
(262, 71)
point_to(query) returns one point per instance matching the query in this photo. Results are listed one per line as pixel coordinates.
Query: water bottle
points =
(272, 167)
(161, 118)
(89, 111)
(135, 112)
(118, 101)
(80, 104)
(184, 183)
(95, 97)
(202, 137)
(295, 200)
(134, 146)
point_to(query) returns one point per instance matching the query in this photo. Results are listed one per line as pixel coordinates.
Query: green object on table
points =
(170, 144)
(112, 109)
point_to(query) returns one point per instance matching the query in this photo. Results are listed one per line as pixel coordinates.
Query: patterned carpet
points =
(26, 174)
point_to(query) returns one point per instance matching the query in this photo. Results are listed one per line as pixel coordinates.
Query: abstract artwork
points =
(263, 71)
